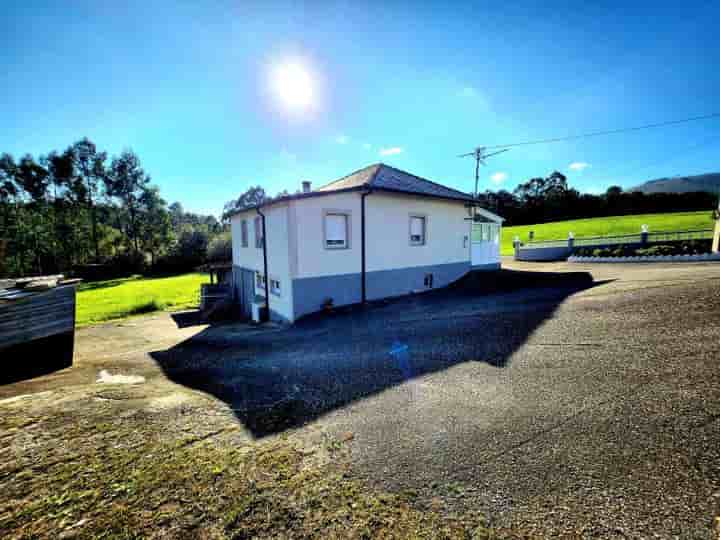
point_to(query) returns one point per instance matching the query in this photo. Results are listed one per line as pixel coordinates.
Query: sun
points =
(293, 86)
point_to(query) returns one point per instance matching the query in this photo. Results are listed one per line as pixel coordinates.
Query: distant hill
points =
(682, 184)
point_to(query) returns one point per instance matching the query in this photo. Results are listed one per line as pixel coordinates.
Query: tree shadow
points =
(280, 378)
(107, 283)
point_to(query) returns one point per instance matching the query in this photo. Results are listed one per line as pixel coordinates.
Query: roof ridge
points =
(377, 165)
(425, 180)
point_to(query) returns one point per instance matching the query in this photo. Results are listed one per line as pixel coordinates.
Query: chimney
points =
(306, 186)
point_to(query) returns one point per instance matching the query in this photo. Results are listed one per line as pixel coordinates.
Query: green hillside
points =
(606, 226)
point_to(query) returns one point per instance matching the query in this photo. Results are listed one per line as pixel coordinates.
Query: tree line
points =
(69, 211)
(79, 209)
(540, 200)
(544, 199)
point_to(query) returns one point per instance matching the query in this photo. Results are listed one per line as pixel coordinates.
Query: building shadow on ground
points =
(279, 378)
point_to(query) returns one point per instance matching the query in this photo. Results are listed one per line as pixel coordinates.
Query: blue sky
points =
(186, 85)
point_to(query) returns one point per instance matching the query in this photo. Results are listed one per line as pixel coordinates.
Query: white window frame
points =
(260, 281)
(273, 290)
(348, 228)
(257, 225)
(244, 233)
(424, 219)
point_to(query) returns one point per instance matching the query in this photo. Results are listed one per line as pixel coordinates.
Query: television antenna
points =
(480, 157)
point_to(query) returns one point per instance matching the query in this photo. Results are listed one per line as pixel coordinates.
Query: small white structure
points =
(376, 233)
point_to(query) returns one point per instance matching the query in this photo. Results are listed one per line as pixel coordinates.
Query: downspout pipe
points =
(265, 263)
(363, 271)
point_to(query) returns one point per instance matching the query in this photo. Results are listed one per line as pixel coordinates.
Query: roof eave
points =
(295, 197)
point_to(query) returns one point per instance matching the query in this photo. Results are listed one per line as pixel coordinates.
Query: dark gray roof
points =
(383, 177)
(380, 177)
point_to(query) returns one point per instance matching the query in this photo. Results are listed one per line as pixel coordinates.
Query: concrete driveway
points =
(582, 400)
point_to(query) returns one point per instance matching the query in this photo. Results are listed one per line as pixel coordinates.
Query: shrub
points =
(147, 307)
(220, 248)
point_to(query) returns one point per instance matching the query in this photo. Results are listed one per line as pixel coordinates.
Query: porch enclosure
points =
(485, 243)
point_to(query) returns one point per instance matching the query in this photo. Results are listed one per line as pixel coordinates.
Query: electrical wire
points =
(607, 132)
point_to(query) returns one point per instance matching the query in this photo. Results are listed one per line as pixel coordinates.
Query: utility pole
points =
(480, 157)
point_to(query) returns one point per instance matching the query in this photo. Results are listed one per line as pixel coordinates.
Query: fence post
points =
(571, 241)
(644, 235)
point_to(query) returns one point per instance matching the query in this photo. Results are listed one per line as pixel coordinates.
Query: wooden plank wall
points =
(37, 315)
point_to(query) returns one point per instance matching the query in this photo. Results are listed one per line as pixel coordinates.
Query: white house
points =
(376, 233)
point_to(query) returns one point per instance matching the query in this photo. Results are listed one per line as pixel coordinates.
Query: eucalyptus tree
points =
(127, 182)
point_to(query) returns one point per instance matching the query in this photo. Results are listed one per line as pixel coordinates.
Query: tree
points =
(8, 188)
(191, 248)
(220, 248)
(89, 170)
(252, 197)
(155, 224)
(127, 182)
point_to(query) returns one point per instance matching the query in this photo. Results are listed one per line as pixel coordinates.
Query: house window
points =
(417, 230)
(486, 232)
(258, 233)
(259, 280)
(244, 233)
(275, 286)
(336, 230)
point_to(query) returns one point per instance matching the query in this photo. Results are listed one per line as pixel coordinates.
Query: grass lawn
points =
(117, 298)
(607, 225)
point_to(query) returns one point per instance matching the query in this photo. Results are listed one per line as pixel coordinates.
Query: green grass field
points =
(606, 226)
(118, 298)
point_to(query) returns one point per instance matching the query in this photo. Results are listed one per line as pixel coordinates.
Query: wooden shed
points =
(37, 326)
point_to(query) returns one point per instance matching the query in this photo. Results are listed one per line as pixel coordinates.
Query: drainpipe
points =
(362, 245)
(265, 264)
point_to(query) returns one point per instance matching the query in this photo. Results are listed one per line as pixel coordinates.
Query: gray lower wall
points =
(485, 267)
(400, 281)
(243, 282)
(309, 294)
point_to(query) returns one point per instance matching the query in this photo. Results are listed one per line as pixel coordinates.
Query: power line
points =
(608, 132)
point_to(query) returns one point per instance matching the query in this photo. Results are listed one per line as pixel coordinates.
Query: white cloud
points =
(391, 151)
(342, 139)
(578, 166)
(367, 146)
(499, 177)
(468, 92)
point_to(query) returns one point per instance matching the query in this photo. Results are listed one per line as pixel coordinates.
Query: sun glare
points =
(293, 85)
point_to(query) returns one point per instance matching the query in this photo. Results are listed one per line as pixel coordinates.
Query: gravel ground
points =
(585, 405)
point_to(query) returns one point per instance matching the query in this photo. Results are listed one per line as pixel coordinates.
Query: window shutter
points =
(417, 230)
(416, 226)
(244, 233)
(336, 229)
(258, 232)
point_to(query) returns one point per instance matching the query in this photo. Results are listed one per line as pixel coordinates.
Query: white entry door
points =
(485, 244)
